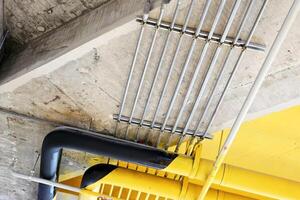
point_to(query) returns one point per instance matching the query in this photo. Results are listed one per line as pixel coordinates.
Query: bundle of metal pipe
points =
(189, 118)
(287, 24)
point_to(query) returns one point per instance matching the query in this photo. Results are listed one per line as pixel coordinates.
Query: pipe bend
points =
(91, 142)
(96, 173)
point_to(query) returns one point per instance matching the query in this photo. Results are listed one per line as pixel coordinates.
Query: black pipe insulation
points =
(95, 143)
(96, 173)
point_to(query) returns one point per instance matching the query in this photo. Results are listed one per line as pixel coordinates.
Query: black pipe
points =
(96, 173)
(87, 141)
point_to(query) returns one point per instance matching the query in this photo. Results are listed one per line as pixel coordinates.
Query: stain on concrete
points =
(35, 18)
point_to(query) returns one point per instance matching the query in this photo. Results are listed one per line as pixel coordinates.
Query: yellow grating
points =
(127, 194)
(143, 169)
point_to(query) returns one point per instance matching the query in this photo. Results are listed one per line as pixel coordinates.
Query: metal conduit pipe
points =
(191, 85)
(146, 65)
(160, 64)
(208, 71)
(222, 73)
(213, 61)
(187, 18)
(82, 140)
(147, 9)
(287, 24)
(59, 185)
(210, 68)
(171, 68)
(237, 64)
(183, 71)
(161, 59)
(147, 62)
(190, 32)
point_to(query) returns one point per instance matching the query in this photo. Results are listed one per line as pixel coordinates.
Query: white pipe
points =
(290, 18)
(46, 182)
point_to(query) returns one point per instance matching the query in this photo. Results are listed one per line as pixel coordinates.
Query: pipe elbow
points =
(95, 143)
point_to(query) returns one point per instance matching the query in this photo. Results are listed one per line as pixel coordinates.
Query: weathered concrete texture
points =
(21, 139)
(54, 106)
(27, 20)
(88, 87)
(68, 37)
(84, 87)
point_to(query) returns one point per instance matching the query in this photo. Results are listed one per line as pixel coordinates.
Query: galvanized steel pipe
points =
(287, 24)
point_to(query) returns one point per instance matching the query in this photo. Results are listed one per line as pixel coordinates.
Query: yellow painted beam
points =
(125, 179)
(269, 145)
(263, 162)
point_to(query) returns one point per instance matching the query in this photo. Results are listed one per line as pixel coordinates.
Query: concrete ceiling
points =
(74, 73)
(29, 19)
(99, 70)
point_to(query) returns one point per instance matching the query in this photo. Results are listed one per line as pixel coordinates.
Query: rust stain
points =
(14, 120)
(52, 100)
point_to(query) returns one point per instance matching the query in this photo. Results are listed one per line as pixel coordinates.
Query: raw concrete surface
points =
(86, 90)
(27, 20)
(20, 139)
(71, 35)
(90, 87)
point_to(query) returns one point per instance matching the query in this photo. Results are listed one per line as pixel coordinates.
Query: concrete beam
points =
(72, 39)
(87, 88)
(1, 17)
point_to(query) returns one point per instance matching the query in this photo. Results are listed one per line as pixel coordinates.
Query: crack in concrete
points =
(85, 4)
(7, 122)
(110, 96)
(35, 118)
(71, 99)
(52, 100)
(271, 75)
(90, 6)
(31, 117)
